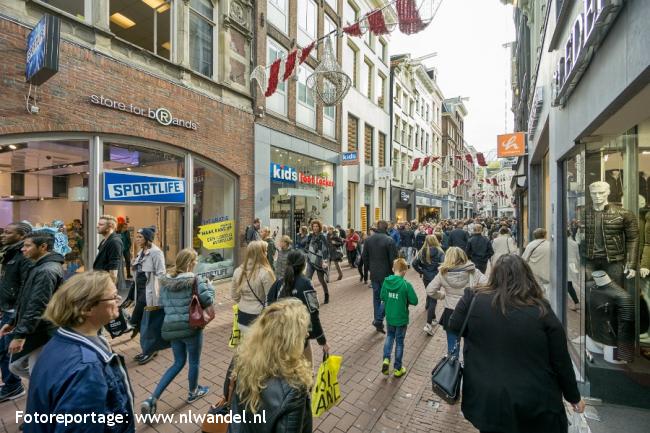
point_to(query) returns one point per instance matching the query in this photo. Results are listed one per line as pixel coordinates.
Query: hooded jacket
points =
(397, 294)
(75, 376)
(452, 284)
(43, 278)
(14, 267)
(426, 269)
(175, 297)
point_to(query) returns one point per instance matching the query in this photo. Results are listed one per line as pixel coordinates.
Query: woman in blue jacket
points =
(426, 264)
(175, 296)
(77, 373)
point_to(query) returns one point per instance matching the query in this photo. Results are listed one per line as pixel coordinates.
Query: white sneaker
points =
(428, 329)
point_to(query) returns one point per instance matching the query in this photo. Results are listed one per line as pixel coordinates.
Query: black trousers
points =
(572, 293)
(481, 266)
(363, 271)
(352, 256)
(127, 262)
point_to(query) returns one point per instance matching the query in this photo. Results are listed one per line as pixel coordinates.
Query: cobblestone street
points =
(371, 401)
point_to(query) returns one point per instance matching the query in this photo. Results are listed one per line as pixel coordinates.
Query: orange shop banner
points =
(509, 145)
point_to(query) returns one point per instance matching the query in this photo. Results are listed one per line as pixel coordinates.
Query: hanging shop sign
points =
(161, 115)
(535, 110)
(509, 145)
(350, 158)
(42, 59)
(586, 34)
(219, 235)
(404, 196)
(143, 188)
(286, 174)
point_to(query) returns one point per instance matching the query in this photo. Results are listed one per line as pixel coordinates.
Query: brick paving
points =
(371, 401)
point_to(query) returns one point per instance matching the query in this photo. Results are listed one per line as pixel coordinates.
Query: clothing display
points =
(610, 315)
(615, 180)
(611, 234)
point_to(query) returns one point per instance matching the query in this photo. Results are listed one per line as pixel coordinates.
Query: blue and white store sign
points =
(42, 60)
(143, 188)
(283, 173)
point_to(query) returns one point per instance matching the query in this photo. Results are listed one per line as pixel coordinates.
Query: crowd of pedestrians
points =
(517, 368)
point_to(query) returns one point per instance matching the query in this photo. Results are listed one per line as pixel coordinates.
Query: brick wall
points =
(224, 133)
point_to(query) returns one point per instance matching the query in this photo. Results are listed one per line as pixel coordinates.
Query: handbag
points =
(448, 373)
(151, 330)
(215, 421)
(199, 316)
(119, 325)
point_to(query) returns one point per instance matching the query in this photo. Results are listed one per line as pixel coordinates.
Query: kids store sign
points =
(286, 174)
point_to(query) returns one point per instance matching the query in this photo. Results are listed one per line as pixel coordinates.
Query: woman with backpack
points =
(455, 274)
(176, 291)
(294, 284)
(250, 283)
(426, 264)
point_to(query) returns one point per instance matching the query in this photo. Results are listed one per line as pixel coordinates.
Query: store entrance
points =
(168, 221)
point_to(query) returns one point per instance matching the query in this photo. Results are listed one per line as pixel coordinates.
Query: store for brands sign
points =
(161, 115)
(588, 30)
(286, 174)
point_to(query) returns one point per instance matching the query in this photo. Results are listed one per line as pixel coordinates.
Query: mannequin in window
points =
(644, 186)
(611, 241)
(610, 319)
(615, 180)
(644, 270)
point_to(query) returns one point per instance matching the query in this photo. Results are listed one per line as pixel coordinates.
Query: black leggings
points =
(363, 271)
(573, 294)
(320, 274)
(352, 256)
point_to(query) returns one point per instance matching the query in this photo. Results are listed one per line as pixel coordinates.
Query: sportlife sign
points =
(42, 59)
(161, 115)
(286, 174)
(586, 33)
(143, 188)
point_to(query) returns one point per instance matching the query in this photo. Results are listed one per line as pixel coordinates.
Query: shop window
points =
(201, 36)
(75, 8)
(382, 149)
(278, 14)
(353, 128)
(278, 101)
(329, 114)
(46, 184)
(368, 144)
(608, 249)
(145, 23)
(307, 22)
(306, 106)
(214, 204)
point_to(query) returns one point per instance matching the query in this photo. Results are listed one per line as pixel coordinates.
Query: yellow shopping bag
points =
(326, 393)
(235, 335)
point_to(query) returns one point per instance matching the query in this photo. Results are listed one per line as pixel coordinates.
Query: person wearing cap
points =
(148, 266)
(14, 267)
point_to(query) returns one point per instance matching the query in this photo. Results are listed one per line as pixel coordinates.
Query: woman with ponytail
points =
(294, 284)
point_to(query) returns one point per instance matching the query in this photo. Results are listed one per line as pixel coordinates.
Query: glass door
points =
(173, 230)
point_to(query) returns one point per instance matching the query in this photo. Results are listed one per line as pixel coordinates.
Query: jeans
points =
(182, 349)
(10, 380)
(319, 274)
(378, 307)
(431, 309)
(395, 334)
(452, 338)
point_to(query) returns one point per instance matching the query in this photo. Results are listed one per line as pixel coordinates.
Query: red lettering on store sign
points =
(315, 180)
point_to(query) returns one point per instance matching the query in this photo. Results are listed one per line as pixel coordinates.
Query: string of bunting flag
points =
(379, 22)
(426, 160)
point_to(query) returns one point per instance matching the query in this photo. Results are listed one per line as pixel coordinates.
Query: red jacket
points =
(351, 242)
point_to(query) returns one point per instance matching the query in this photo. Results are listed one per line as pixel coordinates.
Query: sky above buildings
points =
(468, 37)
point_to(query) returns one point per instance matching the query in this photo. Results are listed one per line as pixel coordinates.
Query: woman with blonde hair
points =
(77, 372)
(176, 290)
(271, 373)
(455, 274)
(250, 283)
(426, 264)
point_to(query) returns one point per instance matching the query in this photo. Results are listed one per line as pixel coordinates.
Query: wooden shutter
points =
(367, 140)
(353, 127)
(382, 150)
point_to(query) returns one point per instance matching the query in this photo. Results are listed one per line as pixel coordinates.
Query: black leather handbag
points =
(447, 375)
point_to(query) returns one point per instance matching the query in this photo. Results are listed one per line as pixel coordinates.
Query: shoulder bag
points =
(253, 292)
(448, 373)
(218, 412)
(199, 316)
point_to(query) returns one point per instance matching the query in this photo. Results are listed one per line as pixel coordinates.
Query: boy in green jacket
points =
(396, 294)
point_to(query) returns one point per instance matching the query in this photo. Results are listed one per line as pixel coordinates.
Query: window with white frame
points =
(305, 104)
(333, 4)
(368, 72)
(278, 14)
(380, 90)
(76, 8)
(202, 37)
(144, 24)
(330, 26)
(384, 50)
(350, 63)
(350, 12)
(278, 101)
(307, 22)
(396, 165)
(329, 114)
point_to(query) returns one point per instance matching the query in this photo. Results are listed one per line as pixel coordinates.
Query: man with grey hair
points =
(611, 241)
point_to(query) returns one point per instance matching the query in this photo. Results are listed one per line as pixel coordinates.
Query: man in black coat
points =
(109, 252)
(479, 248)
(406, 240)
(379, 252)
(13, 271)
(30, 330)
(458, 237)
